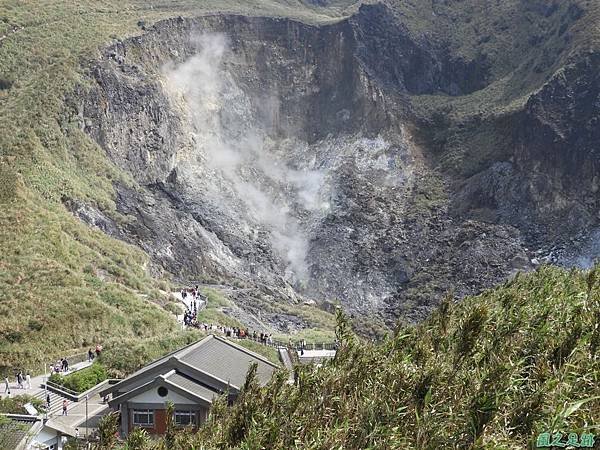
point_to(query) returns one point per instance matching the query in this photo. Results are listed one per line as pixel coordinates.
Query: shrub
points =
(174, 308)
(15, 405)
(35, 325)
(5, 84)
(82, 380)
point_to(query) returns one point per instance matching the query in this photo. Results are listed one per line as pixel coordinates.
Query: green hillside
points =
(64, 286)
(494, 371)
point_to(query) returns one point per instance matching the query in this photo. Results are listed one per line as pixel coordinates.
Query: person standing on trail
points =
(20, 380)
(6, 385)
(90, 355)
(28, 380)
(98, 350)
(65, 404)
(48, 401)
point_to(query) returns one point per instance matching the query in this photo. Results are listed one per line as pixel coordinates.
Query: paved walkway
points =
(37, 389)
(188, 303)
(316, 354)
(76, 411)
(77, 418)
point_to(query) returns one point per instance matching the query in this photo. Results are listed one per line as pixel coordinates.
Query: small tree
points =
(108, 429)
(345, 338)
(170, 427)
(138, 439)
(71, 444)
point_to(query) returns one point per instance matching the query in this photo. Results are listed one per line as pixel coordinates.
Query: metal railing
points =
(60, 389)
(294, 345)
(78, 396)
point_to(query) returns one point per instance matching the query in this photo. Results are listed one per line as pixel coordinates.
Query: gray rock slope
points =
(286, 156)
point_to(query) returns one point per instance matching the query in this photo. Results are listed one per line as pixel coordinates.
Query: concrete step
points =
(284, 356)
(56, 402)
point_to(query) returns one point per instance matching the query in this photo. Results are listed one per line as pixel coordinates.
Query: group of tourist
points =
(193, 292)
(191, 314)
(190, 319)
(23, 382)
(92, 355)
(60, 366)
(240, 333)
(234, 332)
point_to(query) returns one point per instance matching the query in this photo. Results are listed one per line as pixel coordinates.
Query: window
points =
(143, 417)
(185, 418)
(163, 391)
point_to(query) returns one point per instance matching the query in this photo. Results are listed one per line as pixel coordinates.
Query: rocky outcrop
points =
(547, 184)
(409, 63)
(284, 155)
(557, 138)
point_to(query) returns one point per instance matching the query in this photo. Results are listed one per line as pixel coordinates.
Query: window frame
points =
(148, 412)
(187, 413)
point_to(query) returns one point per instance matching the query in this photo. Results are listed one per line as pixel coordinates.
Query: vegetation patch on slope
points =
(16, 404)
(124, 356)
(491, 372)
(268, 352)
(64, 286)
(81, 380)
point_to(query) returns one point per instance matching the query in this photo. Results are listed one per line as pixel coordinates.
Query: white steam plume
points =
(232, 138)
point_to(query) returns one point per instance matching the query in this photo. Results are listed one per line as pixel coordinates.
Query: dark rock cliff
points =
(547, 182)
(287, 156)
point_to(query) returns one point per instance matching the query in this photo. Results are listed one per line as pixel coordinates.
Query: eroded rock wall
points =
(286, 156)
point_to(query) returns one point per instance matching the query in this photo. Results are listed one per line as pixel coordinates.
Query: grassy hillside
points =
(64, 286)
(491, 372)
(122, 357)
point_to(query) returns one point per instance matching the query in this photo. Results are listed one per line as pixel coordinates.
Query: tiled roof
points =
(227, 361)
(217, 357)
(12, 432)
(192, 386)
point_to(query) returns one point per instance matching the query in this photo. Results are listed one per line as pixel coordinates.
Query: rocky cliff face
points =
(287, 156)
(546, 183)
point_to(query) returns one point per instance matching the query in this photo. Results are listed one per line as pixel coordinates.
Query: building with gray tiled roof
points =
(190, 378)
(15, 431)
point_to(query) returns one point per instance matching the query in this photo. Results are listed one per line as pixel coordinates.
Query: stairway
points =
(56, 402)
(284, 356)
